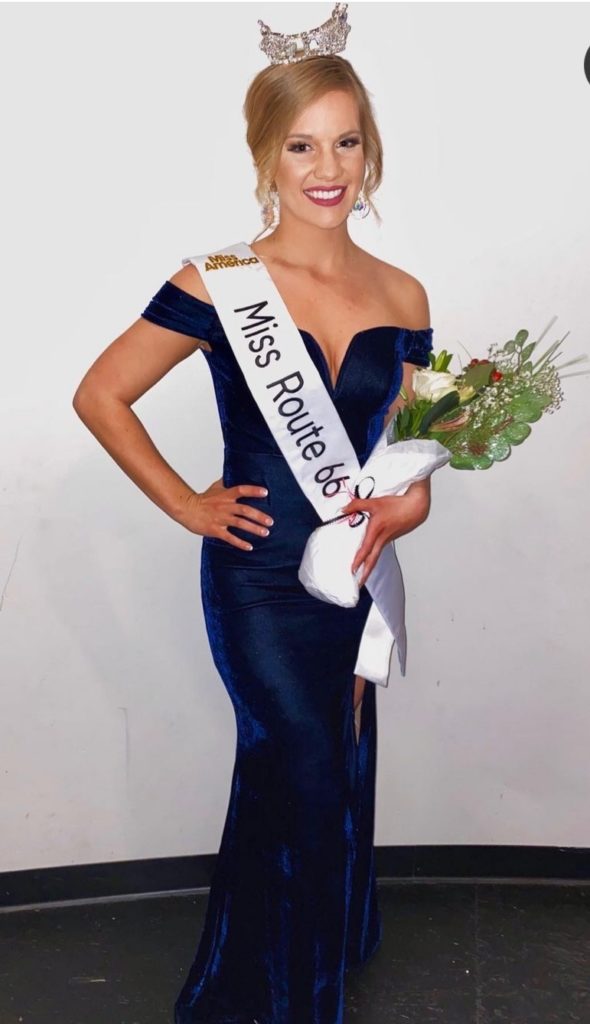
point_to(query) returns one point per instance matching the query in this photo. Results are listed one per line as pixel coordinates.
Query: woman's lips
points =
(327, 201)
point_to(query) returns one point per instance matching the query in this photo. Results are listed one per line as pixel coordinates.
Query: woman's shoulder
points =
(189, 279)
(184, 305)
(407, 295)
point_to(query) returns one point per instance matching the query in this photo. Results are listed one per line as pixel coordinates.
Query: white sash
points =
(305, 423)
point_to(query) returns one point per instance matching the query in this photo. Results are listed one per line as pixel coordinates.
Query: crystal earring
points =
(271, 208)
(361, 206)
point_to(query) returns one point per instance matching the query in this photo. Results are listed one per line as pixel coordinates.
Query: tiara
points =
(329, 37)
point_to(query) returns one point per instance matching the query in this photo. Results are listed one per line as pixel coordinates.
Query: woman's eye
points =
(296, 147)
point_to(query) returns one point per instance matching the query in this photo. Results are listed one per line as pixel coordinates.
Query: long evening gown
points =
(293, 899)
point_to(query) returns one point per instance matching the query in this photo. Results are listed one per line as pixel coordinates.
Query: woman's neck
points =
(322, 251)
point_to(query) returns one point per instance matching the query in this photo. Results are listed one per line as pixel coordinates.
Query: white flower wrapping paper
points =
(325, 569)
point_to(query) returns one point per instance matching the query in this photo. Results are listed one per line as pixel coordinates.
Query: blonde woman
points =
(293, 902)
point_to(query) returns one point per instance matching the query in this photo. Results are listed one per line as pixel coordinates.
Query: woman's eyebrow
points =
(303, 135)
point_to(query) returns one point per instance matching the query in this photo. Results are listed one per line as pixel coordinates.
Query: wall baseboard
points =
(38, 886)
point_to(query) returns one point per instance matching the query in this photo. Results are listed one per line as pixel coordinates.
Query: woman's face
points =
(323, 151)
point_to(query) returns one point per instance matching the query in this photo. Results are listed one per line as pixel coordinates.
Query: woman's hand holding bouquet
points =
(468, 419)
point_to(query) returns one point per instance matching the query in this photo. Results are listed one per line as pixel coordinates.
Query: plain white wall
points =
(124, 151)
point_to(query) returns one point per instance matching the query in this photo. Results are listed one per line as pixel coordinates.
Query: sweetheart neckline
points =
(334, 385)
(364, 330)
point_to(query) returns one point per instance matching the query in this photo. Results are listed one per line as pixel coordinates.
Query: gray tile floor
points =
(458, 953)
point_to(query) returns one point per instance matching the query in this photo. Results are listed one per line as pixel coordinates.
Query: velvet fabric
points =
(293, 901)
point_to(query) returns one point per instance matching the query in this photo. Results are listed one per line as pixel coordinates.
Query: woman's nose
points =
(327, 166)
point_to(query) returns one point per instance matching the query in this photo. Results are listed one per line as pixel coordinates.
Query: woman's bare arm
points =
(122, 373)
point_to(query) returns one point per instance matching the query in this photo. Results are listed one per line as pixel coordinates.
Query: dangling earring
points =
(361, 206)
(271, 208)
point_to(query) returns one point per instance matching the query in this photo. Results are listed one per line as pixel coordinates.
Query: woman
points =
(293, 901)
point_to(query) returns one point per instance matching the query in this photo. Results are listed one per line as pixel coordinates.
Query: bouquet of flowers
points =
(481, 412)
(469, 420)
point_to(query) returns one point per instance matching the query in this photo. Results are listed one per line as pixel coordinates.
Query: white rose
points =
(433, 384)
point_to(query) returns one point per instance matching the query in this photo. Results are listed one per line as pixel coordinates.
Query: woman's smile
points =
(325, 196)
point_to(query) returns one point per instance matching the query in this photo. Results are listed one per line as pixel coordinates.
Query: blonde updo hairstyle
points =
(279, 93)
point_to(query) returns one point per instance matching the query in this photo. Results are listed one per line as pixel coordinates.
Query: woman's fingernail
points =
(264, 491)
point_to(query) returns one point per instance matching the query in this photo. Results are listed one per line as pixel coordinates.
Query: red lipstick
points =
(328, 201)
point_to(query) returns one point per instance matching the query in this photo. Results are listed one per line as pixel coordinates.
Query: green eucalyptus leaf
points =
(516, 432)
(461, 461)
(521, 337)
(528, 350)
(526, 407)
(498, 448)
(482, 462)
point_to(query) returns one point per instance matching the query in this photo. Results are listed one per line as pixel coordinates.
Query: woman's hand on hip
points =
(390, 517)
(210, 512)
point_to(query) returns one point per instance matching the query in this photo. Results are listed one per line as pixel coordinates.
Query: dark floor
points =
(458, 953)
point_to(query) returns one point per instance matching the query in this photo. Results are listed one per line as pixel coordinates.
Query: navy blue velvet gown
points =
(293, 900)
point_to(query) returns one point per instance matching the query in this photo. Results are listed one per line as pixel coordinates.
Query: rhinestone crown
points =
(329, 37)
